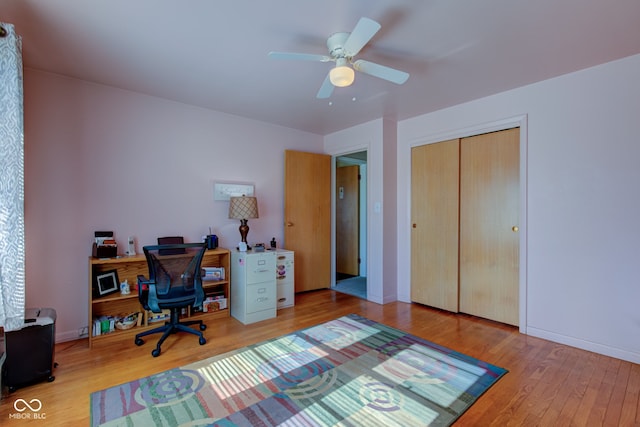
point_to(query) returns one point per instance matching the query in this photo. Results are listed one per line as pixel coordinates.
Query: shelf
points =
(115, 297)
(118, 259)
(212, 283)
(129, 268)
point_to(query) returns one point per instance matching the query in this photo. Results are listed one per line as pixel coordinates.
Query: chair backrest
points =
(171, 240)
(175, 275)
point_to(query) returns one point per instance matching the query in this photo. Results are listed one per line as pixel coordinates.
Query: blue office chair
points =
(174, 283)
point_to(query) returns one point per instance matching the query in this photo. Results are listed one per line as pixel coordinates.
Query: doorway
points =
(351, 224)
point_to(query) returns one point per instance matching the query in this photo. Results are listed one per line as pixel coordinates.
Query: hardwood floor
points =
(548, 384)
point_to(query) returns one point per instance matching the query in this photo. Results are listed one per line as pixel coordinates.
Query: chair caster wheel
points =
(203, 327)
(155, 352)
(202, 341)
(51, 378)
(139, 341)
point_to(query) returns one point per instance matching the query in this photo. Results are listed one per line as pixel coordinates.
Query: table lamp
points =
(243, 208)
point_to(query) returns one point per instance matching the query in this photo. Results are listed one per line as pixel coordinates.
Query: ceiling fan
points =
(343, 47)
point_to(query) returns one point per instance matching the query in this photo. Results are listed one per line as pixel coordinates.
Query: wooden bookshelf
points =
(129, 268)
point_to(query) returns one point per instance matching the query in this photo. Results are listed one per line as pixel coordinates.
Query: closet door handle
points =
(515, 229)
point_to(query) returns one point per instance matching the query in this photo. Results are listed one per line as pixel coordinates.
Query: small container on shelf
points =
(213, 274)
(129, 321)
(214, 304)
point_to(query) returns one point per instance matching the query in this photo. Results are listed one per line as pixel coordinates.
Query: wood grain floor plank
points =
(548, 384)
(630, 415)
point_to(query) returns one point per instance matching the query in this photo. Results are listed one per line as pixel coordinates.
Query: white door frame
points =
(511, 122)
(364, 194)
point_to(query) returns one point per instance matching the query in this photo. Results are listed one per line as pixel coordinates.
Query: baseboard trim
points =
(606, 350)
(68, 336)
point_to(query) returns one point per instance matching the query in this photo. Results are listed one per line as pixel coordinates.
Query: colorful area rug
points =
(350, 371)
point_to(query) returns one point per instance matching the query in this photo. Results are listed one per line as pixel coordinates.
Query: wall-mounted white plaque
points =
(225, 190)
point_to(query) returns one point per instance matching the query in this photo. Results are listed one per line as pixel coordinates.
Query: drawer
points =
(260, 267)
(261, 296)
(286, 296)
(285, 279)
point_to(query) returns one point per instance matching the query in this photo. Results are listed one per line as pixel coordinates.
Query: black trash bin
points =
(30, 350)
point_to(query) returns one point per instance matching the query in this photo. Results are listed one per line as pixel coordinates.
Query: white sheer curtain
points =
(12, 252)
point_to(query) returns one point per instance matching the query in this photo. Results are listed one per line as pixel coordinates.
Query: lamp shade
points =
(341, 76)
(243, 207)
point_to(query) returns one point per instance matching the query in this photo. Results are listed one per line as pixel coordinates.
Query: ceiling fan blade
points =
(363, 32)
(326, 89)
(299, 56)
(381, 71)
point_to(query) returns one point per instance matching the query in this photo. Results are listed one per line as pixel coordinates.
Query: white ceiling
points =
(213, 54)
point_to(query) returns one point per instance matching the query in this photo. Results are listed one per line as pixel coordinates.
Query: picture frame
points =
(106, 283)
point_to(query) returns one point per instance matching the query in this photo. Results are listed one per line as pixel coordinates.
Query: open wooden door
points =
(307, 217)
(348, 220)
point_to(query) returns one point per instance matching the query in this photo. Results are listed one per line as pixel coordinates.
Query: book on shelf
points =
(212, 273)
(103, 325)
(106, 323)
(158, 317)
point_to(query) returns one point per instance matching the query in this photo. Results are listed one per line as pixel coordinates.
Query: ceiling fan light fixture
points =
(341, 76)
(343, 48)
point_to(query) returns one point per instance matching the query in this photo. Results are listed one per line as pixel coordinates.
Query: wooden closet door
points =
(434, 217)
(489, 214)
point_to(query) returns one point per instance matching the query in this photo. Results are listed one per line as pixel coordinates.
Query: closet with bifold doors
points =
(465, 200)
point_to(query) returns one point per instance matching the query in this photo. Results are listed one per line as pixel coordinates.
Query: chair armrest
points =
(147, 294)
(143, 283)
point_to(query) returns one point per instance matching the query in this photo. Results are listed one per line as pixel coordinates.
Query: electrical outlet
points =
(83, 332)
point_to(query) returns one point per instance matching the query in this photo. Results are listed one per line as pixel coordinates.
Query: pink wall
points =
(91, 159)
(378, 139)
(581, 266)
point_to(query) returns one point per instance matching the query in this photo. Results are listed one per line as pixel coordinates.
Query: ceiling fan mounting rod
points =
(335, 44)
(342, 61)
